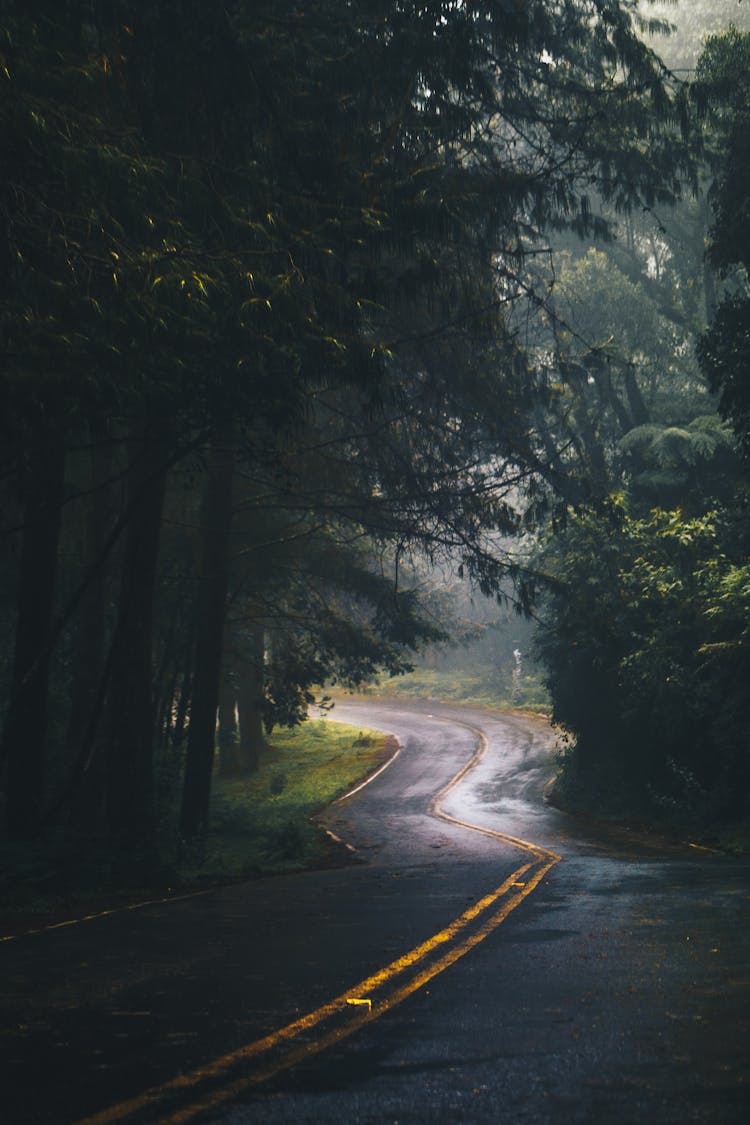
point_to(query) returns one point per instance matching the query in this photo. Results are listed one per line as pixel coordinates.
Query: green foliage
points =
(262, 823)
(648, 656)
(301, 225)
(625, 326)
(645, 639)
(485, 686)
(691, 21)
(624, 370)
(723, 90)
(258, 825)
(693, 465)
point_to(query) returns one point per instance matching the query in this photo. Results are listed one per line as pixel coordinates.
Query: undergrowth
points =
(259, 825)
(607, 790)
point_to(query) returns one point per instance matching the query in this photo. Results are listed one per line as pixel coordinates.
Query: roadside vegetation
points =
(481, 688)
(264, 823)
(261, 824)
(317, 320)
(646, 603)
(490, 670)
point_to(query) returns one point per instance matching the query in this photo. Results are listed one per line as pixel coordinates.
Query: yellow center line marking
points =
(703, 848)
(366, 1000)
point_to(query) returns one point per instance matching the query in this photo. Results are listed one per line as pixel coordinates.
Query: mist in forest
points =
(387, 349)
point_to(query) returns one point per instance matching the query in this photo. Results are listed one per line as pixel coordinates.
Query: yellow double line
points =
(226, 1077)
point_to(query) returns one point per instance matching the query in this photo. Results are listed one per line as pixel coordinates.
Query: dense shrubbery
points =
(649, 661)
(257, 266)
(646, 637)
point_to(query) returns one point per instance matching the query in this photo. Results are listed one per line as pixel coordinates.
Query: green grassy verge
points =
(259, 825)
(464, 687)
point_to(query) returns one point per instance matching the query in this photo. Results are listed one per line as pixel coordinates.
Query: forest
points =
(305, 306)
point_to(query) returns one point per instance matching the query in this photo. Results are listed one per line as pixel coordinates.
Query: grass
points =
(259, 825)
(462, 686)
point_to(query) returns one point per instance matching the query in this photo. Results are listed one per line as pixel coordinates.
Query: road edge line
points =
(541, 856)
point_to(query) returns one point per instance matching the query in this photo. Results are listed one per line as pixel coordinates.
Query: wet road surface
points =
(614, 989)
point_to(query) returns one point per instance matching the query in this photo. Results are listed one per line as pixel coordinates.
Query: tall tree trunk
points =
(229, 760)
(249, 699)
(710, 296)
(24, 740)
(84, 751)
(182, 708)
(211, 612)
(638, 408)
(130, 782)
(610, 397)
(596, 472)
(166, 676)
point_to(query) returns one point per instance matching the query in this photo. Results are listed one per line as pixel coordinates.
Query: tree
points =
(722, 85)
(306, 222)
(24, 741)
(643, 635)
(211, 610)
(647, 658)
(691, 22)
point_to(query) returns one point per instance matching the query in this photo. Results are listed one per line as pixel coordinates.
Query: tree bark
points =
(182, 707)
(84, 751)
(130, 782)
(229, 758)
(609, 396)
(211, 612)
(703, 225)
(249, 698)
(638, 408)
(24, 740)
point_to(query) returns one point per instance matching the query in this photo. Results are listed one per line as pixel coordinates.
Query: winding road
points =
(484, 959)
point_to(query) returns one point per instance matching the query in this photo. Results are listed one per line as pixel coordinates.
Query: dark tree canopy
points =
(723, 90)
(644, 633)
(260, 260)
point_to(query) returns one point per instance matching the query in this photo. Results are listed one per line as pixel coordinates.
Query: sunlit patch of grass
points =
(460, 686)
(261, 824)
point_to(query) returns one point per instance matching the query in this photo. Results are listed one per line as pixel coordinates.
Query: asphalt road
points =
(485, 959)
